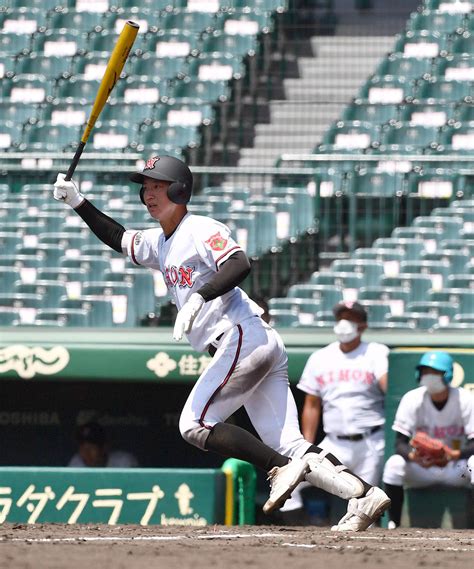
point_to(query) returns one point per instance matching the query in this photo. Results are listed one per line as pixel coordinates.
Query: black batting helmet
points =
(168, 169)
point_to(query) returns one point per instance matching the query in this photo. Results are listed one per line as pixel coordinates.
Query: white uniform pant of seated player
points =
(400, 472)
(249, 368)
(364, 457)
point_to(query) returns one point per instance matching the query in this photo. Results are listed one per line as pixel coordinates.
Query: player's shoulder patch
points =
(217, 242)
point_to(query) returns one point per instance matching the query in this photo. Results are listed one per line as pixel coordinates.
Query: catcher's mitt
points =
(432, 452)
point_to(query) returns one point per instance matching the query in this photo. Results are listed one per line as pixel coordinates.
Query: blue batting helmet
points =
(441, 361)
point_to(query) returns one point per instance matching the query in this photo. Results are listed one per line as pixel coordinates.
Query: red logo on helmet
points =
(150, 163)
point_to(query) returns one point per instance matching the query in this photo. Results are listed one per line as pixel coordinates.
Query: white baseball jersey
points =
(452, 424)
(347, 384)
(188, 259)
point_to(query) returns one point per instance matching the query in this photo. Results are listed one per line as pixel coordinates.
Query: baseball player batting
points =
(203, 266)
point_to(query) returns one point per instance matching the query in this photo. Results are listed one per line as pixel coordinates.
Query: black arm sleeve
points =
(402, 445)
(105, 228)
(468, 450)
(231, 273)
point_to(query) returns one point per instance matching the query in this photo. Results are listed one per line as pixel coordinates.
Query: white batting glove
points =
(186, 315)
(66, 191)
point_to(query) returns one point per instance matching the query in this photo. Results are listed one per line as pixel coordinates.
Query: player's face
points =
(92, 454)
(355, 318)
(156, 198)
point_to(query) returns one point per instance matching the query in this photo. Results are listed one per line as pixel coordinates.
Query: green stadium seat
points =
(347, 281)
(95, 265)
(50, 253)
(30, 88)
(188, 90)
(464, 319)
(25, 304)
(450, 227)
(143, 288)
(444, 311)
(52, 67)
(62, 317)
(12, 44)
(422, 43)
(9, 240)
(418, 286)
(220, 42)
(121, 296)
(443, 22)
(405, 136)
(72, 19)
(66, 241)
(8, 316)
(361, 110)
(458, 139)
(20, 113)
(10, 136)
(50, 220)
(416, 320)
(464, 44)
(304, 204)
(176, 42)
(243, 227)
(160, 67)
(456, 67)
(461, 281)
(351, 134)
(285, 213)
(284, 303)
(408, 67)
(71, 278)
(327, 295)
(433, 184)
(99, 309)
(428, 114)
(46, 137)
(376, 184)
(370, 271)
(462, 7)
(440, 91)
(377, 311)
(381, 255)
(386, 89)
(77, 90)
(438, 271)
(465, 113)
(397, 297)
(49, 291)
(464, 246)
(457, 260)
(281, 318)
(159, 138)
(114, 136)
(153, 5)
(182, 19)
(104, 41)
(411, 247)
(453, 326)
(24, 19)
(429, 235)
(461, 296)
(64, 41)
(265, 225)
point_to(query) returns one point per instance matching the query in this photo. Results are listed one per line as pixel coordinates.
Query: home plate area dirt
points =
(51, 546)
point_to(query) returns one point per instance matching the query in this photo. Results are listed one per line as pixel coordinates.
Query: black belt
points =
(212, 349)
(360, 436)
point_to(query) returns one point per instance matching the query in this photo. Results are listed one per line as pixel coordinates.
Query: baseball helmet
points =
(440, 361)
(168, 169)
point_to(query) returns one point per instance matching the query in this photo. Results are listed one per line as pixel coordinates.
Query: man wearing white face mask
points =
(442, 412)
(345, 383)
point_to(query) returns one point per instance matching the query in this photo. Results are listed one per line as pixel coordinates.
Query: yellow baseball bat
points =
(114, 67)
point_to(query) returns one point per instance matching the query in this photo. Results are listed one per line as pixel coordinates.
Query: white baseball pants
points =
(250, 369)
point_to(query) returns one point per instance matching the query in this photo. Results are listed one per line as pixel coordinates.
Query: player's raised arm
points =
(104, 227)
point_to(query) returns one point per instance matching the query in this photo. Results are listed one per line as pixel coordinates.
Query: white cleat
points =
(362, 512)
(283, 480)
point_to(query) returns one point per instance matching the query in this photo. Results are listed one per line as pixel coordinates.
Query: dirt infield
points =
(52, 546)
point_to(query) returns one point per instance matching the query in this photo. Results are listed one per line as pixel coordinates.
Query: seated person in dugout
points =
(94, 450)
(442, 412)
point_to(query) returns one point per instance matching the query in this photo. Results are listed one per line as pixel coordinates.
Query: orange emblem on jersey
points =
(217, 242)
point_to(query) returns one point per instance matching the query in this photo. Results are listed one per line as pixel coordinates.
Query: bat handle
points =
(75, 160)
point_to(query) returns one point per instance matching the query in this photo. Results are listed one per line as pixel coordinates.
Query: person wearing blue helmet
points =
(443, 412)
